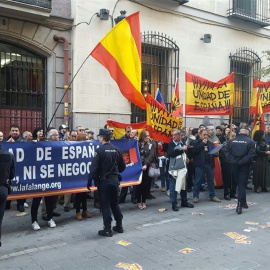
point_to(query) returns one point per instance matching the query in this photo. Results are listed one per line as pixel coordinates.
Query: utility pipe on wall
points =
(66, 50)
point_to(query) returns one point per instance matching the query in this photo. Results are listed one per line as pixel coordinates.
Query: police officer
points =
(239, 153)
(7, 169)
(105, 168)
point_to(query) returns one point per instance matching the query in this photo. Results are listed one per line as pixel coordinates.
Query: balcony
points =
(37, 3)
(255, 11)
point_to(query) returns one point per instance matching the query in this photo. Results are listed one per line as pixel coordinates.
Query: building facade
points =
(210, 38)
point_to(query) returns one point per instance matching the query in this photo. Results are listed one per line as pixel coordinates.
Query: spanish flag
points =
(120, 53)
(176, 107)
(258, 123)
(204, 97)
(119, 128)
(264, 89)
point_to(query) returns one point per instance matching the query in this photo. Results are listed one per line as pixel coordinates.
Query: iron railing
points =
(160, 68)
(22, 89)
(39, 3)
(256, 11)
(246, 64)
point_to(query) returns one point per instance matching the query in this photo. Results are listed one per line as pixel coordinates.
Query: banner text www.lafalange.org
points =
(43, 187)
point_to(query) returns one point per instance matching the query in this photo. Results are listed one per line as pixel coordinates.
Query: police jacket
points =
(240, 150)
(108, 161)
(200, 156)
(7, 166)
(174, 149)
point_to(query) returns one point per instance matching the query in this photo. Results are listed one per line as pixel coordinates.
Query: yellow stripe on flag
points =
(128, 57)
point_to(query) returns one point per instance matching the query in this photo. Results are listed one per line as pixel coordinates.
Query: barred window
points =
(22, 88)
(160, 68)
(245, 63)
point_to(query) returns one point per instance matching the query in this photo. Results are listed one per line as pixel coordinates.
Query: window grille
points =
(246, 64)
(22, 89)
(160, 68)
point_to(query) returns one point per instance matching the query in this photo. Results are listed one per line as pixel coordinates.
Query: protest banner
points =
(57, 168)
(204, 97)
(119, 128)
(159, 121)
(262, 87)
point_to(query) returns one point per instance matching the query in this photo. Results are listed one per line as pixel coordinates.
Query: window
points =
(245, 63)
(22, 88)
(160, 68)
(245, 7)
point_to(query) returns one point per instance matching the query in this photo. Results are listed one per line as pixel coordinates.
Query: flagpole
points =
(66, 91)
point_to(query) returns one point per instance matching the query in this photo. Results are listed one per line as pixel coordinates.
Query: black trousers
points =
(80, 198)
(240, 174)
(229, 182)
(108, 192)
(143, 189)
(3, 199)
(49, 201)
(190, 175)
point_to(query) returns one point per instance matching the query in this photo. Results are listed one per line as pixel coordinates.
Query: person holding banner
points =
(204, 165)
(7, 169)
(105, 169)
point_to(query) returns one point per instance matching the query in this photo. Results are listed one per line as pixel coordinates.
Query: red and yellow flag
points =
(205, 97)
(159, 122)
(120, 53)
(176, 107)
(119, 128)
(264, 89)
(258, 123)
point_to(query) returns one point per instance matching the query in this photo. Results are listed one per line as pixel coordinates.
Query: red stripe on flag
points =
(201, 110)
(134, 22)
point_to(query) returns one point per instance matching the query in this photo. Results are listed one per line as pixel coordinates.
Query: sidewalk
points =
(155, 237)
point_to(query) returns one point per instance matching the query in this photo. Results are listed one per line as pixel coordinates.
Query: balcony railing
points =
(256, 11)
(38, 3)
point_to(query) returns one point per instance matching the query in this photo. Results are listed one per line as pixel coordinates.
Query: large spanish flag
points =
(264, 89)
(258, 123)
(159, 122)
(204, 97)
(120, 52)
(119, 128)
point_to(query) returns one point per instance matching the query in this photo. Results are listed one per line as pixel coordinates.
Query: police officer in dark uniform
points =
(105, 168)
(7, 173)
(239, 153)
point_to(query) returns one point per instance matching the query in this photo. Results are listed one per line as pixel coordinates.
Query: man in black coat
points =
(239, 153)
(7, 169)
(105, 169)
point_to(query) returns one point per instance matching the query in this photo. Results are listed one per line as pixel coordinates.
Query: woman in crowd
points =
(80, 198)
(147, 154)
(38, 134)
(260, 166)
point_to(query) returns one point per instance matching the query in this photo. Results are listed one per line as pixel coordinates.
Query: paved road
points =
(155, 237)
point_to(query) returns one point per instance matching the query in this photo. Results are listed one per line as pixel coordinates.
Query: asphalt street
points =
(152, 239)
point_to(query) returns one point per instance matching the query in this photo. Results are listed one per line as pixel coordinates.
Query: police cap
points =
(104, 132)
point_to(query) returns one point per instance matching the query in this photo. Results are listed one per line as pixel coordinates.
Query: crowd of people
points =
(239, 157)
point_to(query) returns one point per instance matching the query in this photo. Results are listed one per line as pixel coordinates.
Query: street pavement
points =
(155, 237)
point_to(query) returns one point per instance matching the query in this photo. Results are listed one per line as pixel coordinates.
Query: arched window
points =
(22, 88)
(160, 68)
(246, 64)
